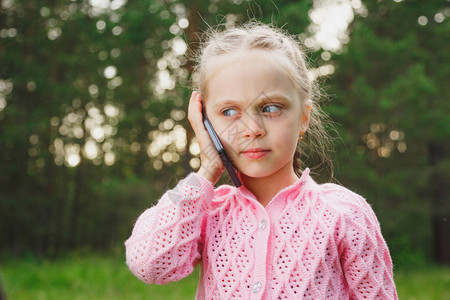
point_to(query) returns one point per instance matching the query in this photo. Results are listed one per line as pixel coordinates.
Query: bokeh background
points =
(93, 129)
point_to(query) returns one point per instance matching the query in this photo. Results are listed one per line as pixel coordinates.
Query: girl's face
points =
(257, 113)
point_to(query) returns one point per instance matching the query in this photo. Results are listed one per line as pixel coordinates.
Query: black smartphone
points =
(223, 155)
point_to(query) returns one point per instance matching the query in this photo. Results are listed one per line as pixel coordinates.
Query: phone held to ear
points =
(223, 156)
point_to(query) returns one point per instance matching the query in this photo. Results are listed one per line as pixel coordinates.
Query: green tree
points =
(91, 96)
(391, 99)
(74, 77)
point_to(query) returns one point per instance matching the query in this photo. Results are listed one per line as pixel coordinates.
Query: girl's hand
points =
(211, 165)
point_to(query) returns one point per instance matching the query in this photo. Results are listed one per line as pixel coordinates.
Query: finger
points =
(191, 104)
(193, 116)
(200, 130)
(195, 112)
(202, 135)
(198, 109)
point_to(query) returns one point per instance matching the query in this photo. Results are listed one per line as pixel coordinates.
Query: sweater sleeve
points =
(165, 244)
(365, 257)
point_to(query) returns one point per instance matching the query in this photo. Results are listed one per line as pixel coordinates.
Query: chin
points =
(256, 173)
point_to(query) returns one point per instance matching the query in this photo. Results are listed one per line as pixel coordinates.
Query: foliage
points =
(82, 103)
(391, 99)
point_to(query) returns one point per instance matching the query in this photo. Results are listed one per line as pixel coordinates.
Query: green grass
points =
(423, 283)
(98, 277)
(86, 278)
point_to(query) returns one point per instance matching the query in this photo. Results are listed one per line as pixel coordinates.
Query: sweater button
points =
(257, 287)
(262, 225)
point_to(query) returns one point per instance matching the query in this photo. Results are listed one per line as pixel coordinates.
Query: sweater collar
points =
(246, 193)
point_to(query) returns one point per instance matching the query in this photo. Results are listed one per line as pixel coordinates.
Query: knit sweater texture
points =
(312, 241)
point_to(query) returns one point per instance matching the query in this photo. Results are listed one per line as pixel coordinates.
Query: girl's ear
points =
(306, 115)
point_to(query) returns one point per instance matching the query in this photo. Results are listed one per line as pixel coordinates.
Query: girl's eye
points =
(229, 112)
(271, 108)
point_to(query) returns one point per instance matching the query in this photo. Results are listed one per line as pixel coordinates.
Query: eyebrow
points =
(264, 98)
(226, 103)
(275, 97)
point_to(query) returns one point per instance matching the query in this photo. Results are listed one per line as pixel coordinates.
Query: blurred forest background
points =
(93, 99)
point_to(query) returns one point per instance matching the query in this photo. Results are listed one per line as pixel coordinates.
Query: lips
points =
(255, 153)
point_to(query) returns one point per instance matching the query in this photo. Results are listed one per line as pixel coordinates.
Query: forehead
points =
(275, 59)
(247, 75)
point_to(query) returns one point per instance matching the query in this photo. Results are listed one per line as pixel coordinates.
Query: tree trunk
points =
(440, 224)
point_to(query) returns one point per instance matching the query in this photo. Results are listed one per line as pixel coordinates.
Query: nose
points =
(254, 127)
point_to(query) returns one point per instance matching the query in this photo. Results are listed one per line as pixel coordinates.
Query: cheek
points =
(286, 135)
(228, 133)
(290, 127)
(287, 140)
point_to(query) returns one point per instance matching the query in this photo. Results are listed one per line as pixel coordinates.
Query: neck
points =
(265, 188)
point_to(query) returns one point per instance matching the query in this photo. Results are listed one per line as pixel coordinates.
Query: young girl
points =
(280, 235)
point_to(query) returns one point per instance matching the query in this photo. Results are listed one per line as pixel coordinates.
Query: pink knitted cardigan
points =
(312, 241)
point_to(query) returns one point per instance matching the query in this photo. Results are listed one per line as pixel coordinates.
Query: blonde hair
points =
(316, 146)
